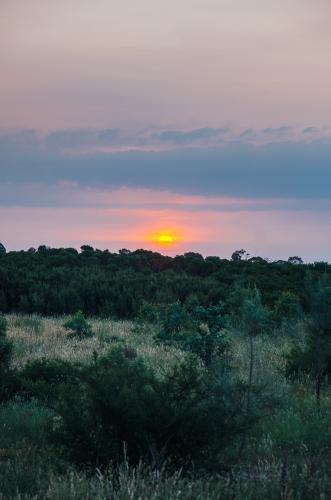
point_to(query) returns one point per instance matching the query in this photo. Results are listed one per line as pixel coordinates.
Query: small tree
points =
(197, 330)
(253, 320)
(2, 249)
(79, 326)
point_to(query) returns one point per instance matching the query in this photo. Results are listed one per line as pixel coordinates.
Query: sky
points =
(205, 120)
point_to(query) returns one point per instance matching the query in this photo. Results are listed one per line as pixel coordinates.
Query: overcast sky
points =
(209, 118)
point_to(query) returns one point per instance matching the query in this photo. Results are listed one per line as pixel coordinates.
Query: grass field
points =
(287, 454)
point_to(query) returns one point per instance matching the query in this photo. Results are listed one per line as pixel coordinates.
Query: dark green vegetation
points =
(63, 281)
(221, 391)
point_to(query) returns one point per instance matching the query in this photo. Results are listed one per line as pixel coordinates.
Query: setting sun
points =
(165, 239)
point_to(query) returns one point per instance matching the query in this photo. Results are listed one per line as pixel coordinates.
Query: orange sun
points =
(165, 239)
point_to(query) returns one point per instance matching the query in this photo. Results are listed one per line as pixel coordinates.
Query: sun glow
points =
(165, 239)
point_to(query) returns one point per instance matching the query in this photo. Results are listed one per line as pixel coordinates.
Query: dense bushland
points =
(61, 281)
(196, 398)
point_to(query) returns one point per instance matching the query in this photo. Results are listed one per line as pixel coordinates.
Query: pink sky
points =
(108, 63)
(161, 76)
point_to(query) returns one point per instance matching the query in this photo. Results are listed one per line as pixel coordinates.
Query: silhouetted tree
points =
(295, 260)
(238, 255)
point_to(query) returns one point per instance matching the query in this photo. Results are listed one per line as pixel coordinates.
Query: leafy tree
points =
(2, 249)
(79, 326)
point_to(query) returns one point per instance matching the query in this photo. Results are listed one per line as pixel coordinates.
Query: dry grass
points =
(36, 337)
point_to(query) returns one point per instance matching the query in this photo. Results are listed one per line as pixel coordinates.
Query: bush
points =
(79, 326)
(45, 379)
(25, 422)
(187, 416)
(198, 330)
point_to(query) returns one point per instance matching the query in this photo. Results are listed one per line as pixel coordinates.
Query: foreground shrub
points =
(187, 416)
(23, 423)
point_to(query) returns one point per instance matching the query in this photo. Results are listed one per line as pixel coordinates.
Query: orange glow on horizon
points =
(164, 237)
(170, 237)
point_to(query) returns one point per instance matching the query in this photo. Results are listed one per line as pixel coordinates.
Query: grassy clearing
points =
(287, 455)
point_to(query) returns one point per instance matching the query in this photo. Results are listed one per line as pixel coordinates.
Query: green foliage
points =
(315, 356)
(62, 281)
(254, 317)
(197, 329)
(90, 408)
(45, 379)
(78, 326)
(122, 401)
(23, 422)
(287, 308)
(175, 322)
(300, 426)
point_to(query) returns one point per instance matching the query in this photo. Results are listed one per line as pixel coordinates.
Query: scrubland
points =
(287, 452)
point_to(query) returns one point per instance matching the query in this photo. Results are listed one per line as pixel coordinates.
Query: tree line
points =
(62, 280)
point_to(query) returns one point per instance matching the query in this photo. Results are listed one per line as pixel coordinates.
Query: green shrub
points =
(45, 379)
(185, 416)
(287, 309)
(198, 329)
(24, 422)
(301, 426)
(78, 326)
